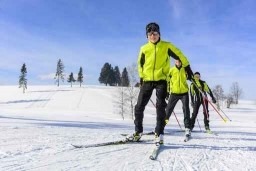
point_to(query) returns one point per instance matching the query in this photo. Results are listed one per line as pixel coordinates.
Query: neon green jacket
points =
(202, 85)
(154, 60)
(178, 80)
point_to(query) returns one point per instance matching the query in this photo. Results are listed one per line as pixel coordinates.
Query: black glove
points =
(141, 81)
(167, 96)
(213, 100)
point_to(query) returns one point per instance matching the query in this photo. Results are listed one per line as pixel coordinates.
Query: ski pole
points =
(153, 103)
(217, 111)
(172, 112)
(177, 119)
(225, 115)
(205, 108)
(199, 125)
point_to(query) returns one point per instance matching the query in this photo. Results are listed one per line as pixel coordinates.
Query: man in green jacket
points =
(179, 91)
(197, 98)
(153, 68)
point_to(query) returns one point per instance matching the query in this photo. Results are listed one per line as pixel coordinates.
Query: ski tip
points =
(152, 157)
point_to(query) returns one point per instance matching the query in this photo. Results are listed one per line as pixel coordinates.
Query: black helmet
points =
(152, 27)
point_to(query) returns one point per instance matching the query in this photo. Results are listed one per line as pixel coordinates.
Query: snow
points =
(37, 129)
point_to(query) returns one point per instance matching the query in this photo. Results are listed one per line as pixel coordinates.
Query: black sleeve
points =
(189, 72)
(172, 54)
(142, 60)
(210, 92)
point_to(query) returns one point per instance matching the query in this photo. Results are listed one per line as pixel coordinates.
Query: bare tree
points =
(133, 74)
(121, 101)
(132, 90)
(218, 94)
(236, 92)
(230, 100)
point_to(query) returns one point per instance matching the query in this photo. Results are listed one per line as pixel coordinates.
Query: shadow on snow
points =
(24, 101)
(193, 146)
(75, 124)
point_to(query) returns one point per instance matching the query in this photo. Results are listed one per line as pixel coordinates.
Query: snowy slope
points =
(37, 129)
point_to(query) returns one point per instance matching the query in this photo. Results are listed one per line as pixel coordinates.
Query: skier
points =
(179, 91)
(153, 68)
(197, 98)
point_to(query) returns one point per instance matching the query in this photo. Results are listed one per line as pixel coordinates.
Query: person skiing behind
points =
(153, 69)
(197, 98)
(179, 91)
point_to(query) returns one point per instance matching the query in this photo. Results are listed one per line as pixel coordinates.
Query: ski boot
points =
(159, 139)
(134, 137)
(166, 121)
(187, 132)
(207, 129)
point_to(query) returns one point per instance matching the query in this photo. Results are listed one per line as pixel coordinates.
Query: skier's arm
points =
(169, 84)
(141, 61)
(192, 93)
(175, 53)
(209, 91)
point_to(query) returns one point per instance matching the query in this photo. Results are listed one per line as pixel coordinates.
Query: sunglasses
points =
(153, 33)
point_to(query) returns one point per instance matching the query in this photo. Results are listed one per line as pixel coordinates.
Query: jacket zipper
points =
(154, 63)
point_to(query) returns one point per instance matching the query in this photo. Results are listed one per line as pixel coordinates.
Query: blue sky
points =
(218, 37)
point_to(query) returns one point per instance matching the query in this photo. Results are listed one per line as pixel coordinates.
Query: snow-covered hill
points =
(37, 129)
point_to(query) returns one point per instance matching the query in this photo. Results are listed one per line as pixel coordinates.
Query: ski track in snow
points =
(34, 139)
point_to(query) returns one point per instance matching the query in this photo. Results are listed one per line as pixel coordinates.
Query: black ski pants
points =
(196, 107)
(174, 98)
(143, 98)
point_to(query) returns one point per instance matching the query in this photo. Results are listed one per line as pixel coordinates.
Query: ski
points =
(118, 142)
(210, 132)
(155, 152)
(146, 133)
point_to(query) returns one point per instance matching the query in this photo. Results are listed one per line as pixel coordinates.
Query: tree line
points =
(108, 76)
(111, 76)
(59, 76)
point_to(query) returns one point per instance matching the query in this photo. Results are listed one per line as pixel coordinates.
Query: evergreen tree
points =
(117, 76)
(111, 79)
(23, 80)
(104, 74)
(71, 78)
(59, 73)
(125, 82)
(80, 76)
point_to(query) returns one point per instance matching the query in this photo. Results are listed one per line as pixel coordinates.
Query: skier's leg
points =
(143, 98)
(161, 92)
